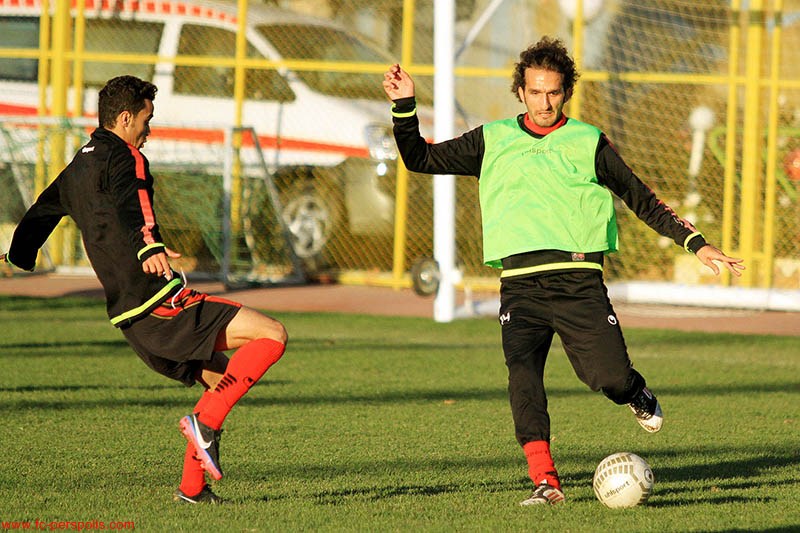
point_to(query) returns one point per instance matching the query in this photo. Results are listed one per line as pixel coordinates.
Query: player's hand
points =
(397, 83)
(158, 264)
(710, 255)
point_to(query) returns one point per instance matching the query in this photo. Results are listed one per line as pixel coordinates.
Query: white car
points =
(309, 123)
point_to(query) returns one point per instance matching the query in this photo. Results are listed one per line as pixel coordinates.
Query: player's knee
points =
(281, 335)
(260, 326)
(272, 330)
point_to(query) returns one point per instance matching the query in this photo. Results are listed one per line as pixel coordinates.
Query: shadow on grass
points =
(379, 398)
(783, 529)
(725, 389)
(81, 388)
(374, 346)
(32, 303)
(261, 399)
(73, 346)
(336, 497)
(714, 482)
(377, 493)
(718, 471)
(297, 346)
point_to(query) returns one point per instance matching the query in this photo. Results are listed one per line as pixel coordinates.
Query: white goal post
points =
(444, 238)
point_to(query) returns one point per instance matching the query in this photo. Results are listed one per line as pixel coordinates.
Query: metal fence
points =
(702, 99)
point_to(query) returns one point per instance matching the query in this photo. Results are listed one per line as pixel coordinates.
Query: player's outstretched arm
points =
(397, 83)
(709, 255)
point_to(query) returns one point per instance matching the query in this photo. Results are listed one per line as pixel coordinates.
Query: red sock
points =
(540, 463)
(194, 479)
(246, 367)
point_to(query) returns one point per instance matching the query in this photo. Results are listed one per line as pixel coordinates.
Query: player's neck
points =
(540, 130)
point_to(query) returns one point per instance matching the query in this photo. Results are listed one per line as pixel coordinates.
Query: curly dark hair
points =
(123, 93)
(549, 54)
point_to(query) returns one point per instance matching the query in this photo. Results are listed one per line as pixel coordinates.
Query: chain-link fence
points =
(702, 99)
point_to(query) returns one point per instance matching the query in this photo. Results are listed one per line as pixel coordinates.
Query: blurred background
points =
(272, 147)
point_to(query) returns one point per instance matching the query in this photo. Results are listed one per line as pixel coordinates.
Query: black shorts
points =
(177, 339)
(574, 305)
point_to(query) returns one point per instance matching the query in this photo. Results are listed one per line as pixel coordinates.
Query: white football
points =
(623, 480)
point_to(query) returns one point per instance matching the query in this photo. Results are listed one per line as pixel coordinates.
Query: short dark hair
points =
(123, 93)
(547, 54)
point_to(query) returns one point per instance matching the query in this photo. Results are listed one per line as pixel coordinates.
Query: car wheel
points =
(425, 276)
(309, 220)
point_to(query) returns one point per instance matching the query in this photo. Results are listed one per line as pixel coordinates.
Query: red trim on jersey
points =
(219, 300)
(144, 199)
(185, 299)
(149, 217)
(539, 130)
(137, 156)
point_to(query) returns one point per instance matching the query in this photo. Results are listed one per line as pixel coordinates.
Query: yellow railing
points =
(752, 81)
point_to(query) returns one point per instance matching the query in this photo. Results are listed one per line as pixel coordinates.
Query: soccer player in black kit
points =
(107, 189)
(545, 184)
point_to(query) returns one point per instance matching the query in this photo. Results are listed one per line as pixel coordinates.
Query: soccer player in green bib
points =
(546, 184)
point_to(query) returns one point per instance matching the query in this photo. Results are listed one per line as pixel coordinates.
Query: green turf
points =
(389, 424)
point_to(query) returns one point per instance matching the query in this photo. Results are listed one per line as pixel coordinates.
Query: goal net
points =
(215, 198)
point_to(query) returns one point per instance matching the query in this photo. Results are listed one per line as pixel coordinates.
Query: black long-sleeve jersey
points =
(463, 155)
(108, 190)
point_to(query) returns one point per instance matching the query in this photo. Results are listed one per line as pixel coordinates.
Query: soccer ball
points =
(623, 480)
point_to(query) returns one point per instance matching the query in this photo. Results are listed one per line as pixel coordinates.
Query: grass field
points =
(389, 424)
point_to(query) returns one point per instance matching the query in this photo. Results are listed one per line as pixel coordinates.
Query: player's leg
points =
(249, 325)
(527, 336)
(183, 340)
(260, 342)
(193, 487)
(144, 339)
(593, 340)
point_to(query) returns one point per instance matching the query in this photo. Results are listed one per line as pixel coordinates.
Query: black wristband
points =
(405, 105)
(695, 243)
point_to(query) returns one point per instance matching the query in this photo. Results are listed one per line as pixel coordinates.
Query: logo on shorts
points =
(612, 320)
(505, 319)
(577, 256)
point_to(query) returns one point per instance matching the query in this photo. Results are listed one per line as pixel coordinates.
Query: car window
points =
(197, 40)
(19, 32)
(135, 37)
(320, 43)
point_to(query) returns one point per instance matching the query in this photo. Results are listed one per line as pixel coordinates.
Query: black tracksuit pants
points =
(575, 305)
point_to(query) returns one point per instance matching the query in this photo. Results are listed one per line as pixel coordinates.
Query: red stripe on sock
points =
(245, 368)
(540, 463)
